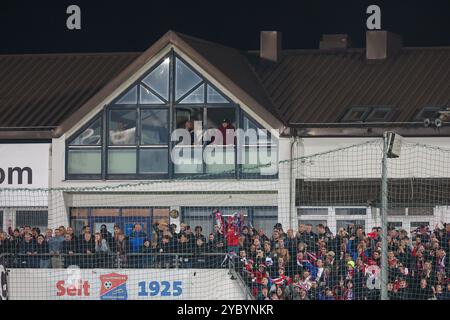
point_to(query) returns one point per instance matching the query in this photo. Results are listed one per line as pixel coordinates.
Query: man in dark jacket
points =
(28, 249)
(69, 248)
(86, 246)
(42, 250)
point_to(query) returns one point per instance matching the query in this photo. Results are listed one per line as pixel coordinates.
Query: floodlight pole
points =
(384, 223)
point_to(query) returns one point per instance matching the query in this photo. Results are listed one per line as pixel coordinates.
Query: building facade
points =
(99, 128)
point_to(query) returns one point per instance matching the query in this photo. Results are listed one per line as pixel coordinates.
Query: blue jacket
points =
(136, 241)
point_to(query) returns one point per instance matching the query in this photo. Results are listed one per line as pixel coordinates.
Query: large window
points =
(85, 150)
(131, 138)
(32, 218)
(259, 217)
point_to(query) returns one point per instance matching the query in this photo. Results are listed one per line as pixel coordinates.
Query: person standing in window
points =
(189, 127)
(227, 131)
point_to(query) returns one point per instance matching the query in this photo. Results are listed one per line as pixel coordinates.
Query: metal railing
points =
(115, 260)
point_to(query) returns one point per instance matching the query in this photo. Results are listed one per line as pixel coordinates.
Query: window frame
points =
(171, 105)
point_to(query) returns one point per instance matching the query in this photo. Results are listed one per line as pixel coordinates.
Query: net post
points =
(383, 212)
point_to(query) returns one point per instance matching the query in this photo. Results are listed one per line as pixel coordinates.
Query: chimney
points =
(334, 41)
(270, 46)
(381, 44)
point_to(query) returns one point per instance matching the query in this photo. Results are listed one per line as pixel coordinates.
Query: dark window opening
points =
(427, 113)
(355, 114)
(380, 115)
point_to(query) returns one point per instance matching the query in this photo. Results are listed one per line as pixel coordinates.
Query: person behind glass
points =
(226, 130)
(28, 251)
(101, 250)
(69, 249)
(86, 247)
(189, 127)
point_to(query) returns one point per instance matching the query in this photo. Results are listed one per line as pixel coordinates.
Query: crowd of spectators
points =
(318, 265)
(59, 248)
(305, 264)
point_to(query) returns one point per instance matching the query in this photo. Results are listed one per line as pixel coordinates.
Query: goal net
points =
(312, 231)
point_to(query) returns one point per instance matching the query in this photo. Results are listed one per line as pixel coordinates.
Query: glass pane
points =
(148, 98)
(158, 79)
(350, 211)
(197, 96)
(154, 126)
(85, 161)
(153, 161)
(219, 159)
(130, 97)
(185, 79)
(35, 219)
(205, 223)
(266, 224)
(214, 97)
(216, 117)
(122, 127)
(312, 211)
(418, 224)
(190, 119)
(345, 223)
(395, 225)
(122, 161)
(91, 136)
(262, 160)
(314, 223)
(188, 114)
(188, 159)
(198, 212)
(420, 211)
(255, 131)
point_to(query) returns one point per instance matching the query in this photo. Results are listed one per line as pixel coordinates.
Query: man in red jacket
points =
(232, 236)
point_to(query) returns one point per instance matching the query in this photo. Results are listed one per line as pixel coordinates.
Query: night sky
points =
(39, 26)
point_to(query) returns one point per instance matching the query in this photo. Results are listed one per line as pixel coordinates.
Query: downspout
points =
(297, 141)
(294, 140)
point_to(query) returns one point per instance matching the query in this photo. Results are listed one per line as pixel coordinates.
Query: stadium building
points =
(82, 124)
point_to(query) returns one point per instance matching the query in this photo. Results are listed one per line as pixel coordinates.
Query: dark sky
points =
(39, 26)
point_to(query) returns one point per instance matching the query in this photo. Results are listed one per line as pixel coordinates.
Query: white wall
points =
(196, 284)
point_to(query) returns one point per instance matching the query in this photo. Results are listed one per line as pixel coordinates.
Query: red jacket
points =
(232, 236)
